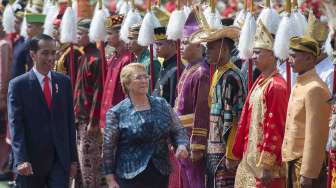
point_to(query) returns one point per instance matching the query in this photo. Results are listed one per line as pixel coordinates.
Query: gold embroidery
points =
(256, 160)
(215, 148)
(244, 177)
(199, 132)
(187, 120)
(180, 86)
(197, 147)
(217, 75)
(266, 160)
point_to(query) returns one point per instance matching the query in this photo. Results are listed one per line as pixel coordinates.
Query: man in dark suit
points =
(41, 120)
(22, 61)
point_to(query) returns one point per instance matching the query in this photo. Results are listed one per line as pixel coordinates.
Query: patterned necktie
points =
(46, 91)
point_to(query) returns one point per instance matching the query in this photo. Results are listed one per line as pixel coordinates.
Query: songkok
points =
(227, 21)
(191, 25)
(35, 18)
(316, 29)
(18, 9)
(113, 22)
(305, 44)
(133, 31)
(160, 33)
(84, 25)
(263, 38)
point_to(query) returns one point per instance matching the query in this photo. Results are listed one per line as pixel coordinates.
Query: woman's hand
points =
(181, 152)
(111, 181)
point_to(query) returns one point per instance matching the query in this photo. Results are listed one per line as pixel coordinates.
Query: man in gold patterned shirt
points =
(307, 120)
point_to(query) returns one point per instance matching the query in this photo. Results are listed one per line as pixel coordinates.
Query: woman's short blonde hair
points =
(127, 72)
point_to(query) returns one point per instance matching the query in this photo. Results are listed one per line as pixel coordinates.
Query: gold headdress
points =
(263, 38)
(316, 29)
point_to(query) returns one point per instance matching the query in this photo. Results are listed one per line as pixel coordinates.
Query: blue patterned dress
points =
(133, 139)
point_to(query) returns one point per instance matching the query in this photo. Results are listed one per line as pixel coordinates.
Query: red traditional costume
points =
(113, 92)
(261, 128)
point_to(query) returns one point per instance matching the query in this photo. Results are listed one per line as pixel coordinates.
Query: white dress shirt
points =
(40, 78)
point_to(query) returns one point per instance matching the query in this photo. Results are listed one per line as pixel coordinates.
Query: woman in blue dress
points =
(138, 133)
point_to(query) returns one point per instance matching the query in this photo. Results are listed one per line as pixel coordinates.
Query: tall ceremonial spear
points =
(246, 40)
(282, 39)
(214, 22)
(174, 32)
(68, 35)
(51, 11)
(133, 17)
(97, 33)
(212, 68)
(146, 36)
(8, 21)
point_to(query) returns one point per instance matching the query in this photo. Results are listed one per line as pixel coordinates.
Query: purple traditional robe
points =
(192, 107)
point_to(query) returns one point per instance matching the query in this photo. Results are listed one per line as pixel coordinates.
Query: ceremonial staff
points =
(174, 32)
(213, 10)
(146, 36)
(151, 56)
(68, 35)
(97, 33)
(178, 49)
(8, 22)
(250, 63)
(288, 69)
(246, 41)
(282, 39)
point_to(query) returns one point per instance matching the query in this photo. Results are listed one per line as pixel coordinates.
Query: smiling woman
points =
(135, 147)
(134, 79)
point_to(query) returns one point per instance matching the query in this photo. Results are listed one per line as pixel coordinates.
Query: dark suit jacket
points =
(22, 61)
(40, 134)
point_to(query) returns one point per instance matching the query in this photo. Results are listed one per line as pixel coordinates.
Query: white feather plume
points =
(270, 18)
(68, 26)
(187, 10)
(125, 7)
(8, 19)
(283, 36)
(328, 49)
(246, 39)
(23, 29)
(75, 8)
(51, 15)
(106, 11)
(300, 23)
(119, 4)
(213, 18)
(133, 17)
(97, 30)
(146, 33)
(46, 6)
(175, 25)
(240, 18)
